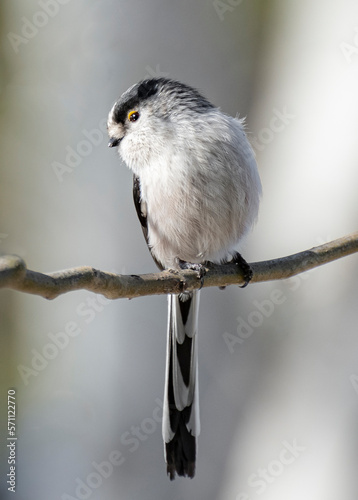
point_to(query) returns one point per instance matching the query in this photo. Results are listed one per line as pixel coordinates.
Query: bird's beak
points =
(113, 142)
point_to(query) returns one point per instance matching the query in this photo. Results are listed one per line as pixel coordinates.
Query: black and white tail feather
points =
(181, 423)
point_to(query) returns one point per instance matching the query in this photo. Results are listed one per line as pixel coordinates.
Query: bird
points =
(196, 190)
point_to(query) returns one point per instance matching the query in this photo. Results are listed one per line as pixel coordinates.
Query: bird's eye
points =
(133, 116)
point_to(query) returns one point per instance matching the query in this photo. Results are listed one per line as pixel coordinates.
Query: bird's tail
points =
(181, 423)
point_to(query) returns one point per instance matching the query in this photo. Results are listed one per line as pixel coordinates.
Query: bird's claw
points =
(245, 268)
(199, 268)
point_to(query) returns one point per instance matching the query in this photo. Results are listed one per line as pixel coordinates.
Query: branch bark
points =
(15, 275)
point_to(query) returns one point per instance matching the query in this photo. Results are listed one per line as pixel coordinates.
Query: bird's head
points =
(149, 115)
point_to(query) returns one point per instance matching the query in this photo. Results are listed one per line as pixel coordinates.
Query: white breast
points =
(201, 188)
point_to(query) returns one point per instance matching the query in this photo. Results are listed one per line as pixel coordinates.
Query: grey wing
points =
(141, 210)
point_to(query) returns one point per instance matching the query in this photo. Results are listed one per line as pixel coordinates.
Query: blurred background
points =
(278, 362)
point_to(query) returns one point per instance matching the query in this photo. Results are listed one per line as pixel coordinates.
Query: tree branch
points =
(15, 275)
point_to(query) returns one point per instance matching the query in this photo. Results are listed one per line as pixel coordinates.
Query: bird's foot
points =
(199, 268)
(245, 268)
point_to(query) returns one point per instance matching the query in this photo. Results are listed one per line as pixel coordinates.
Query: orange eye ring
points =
(133, 116)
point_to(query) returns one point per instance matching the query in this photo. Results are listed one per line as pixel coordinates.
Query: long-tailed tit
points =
(196, 191)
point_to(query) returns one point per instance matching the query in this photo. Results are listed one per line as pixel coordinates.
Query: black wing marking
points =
(142, 214)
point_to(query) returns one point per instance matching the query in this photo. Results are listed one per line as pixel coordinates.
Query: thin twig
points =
(15, 275)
